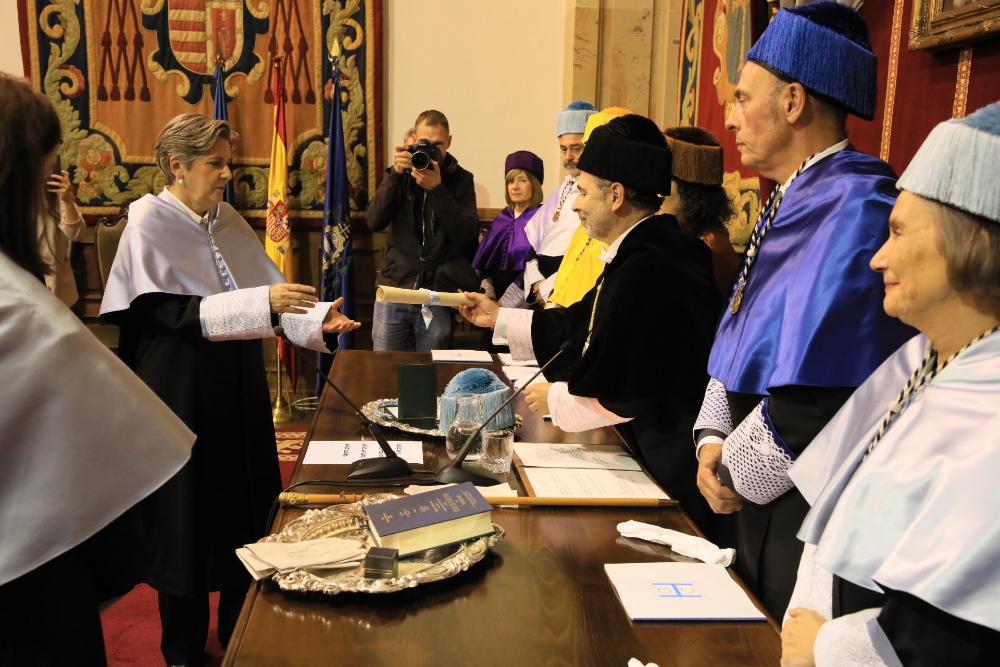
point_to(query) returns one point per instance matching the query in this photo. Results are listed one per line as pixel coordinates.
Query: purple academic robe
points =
(504, 249)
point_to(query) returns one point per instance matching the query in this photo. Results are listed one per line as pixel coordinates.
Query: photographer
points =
(429, 205)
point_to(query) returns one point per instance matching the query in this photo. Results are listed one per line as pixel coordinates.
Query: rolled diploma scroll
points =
(420, 297)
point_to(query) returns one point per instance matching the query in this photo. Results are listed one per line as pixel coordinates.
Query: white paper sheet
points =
(573, 455)
(518, 375)
(584, 483)
(327, 452)
(681, 592)
(507, 359)
(462, 356)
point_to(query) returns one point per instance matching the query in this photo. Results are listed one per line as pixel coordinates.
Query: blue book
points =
(431, 519)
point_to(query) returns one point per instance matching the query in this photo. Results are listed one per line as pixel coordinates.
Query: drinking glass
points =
(468, 418)
(498, 449)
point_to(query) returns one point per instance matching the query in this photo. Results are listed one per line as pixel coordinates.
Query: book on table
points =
(432, 519)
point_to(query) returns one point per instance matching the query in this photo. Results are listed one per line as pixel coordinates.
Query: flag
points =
(219, 92)
(277, 239)
(336, 277)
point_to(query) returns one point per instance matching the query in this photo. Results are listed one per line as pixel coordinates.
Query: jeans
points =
(399, 327)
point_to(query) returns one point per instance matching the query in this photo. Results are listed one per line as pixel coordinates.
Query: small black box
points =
(381, 563)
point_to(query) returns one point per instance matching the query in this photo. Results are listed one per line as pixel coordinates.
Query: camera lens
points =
(420, 160)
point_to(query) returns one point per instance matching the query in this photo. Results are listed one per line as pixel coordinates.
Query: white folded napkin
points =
(682, 543)
(635, 662)
(262, 559)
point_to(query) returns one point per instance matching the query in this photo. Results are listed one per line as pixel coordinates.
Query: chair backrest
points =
(109, 233)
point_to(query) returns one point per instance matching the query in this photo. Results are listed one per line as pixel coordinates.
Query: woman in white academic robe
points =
(902, 539)
(83, 439)
(194, 293)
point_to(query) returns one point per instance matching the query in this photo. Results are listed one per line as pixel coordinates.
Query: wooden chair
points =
(109, 234)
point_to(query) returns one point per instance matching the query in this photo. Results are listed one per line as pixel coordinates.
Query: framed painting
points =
(943, 24)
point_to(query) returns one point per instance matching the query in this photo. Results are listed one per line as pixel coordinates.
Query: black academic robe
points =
(766, 535)
(50, 615)
(657, 307)
(220, 499)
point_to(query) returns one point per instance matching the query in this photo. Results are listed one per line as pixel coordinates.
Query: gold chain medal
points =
(734, 305)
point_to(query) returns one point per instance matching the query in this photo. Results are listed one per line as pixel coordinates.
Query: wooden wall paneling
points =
(587, 50)
(626, 54)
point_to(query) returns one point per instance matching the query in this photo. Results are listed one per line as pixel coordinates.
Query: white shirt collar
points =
(609, 255)
(837, 147)
(201, 220)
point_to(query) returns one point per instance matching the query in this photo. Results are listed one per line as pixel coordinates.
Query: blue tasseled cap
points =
(573, 119)
(491, 389)
(958, 164)
(824, 46)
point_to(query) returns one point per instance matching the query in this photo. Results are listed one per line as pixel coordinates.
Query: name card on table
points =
(462, 356)
(341, 452)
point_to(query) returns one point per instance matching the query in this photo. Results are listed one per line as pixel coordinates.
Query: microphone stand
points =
(453, 473)
(392, 465)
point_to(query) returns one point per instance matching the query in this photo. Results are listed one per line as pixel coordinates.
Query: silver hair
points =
(187, 137)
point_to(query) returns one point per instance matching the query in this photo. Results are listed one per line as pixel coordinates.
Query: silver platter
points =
(348, 521)
(378, 412)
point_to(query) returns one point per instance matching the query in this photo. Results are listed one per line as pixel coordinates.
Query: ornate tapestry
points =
(118, 70)
(715, 39)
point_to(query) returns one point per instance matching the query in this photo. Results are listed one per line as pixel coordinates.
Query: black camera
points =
(423, 153)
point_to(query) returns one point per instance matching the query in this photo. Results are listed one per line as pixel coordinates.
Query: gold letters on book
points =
(942, 24)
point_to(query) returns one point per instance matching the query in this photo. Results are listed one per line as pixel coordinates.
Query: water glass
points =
(468, 418)
(498, 449)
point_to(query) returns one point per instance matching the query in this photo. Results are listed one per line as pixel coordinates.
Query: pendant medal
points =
(734, 306)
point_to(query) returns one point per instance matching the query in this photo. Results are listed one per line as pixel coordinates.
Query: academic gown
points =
(909, 528)
(84, 440)
(166, 268)
(657, 306)
(502, 253)
(810, 329)
(220, 500)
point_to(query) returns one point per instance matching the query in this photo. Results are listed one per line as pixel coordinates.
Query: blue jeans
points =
(399, 327)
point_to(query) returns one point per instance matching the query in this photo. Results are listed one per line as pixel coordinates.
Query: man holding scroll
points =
(428, 204)
(642, 334)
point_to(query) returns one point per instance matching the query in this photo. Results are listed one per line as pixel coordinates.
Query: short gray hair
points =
(187, 137)
(971, 247)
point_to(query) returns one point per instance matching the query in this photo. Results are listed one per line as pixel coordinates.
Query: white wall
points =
(498, 72)
(10, 39)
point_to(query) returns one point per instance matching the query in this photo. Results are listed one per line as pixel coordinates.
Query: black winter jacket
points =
(431, 233)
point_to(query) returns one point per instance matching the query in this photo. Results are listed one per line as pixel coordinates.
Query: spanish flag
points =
(278, 241)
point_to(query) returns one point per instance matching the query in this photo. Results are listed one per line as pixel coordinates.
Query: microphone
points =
(453, 472)
(392, 465)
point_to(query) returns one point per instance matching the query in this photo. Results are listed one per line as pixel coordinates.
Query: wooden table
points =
(540, 598)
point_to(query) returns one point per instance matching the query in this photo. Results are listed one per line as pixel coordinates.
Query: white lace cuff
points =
(855, 640)
(306, 329)
(714, 413)
(243, 314)
(813, 586)
(514, 328)
(756, 459)
(578, 413)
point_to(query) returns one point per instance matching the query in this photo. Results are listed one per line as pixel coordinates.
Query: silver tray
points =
(378, 412)
(348, 521)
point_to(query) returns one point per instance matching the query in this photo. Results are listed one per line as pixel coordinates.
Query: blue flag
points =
(336, 276)
(219, 93)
